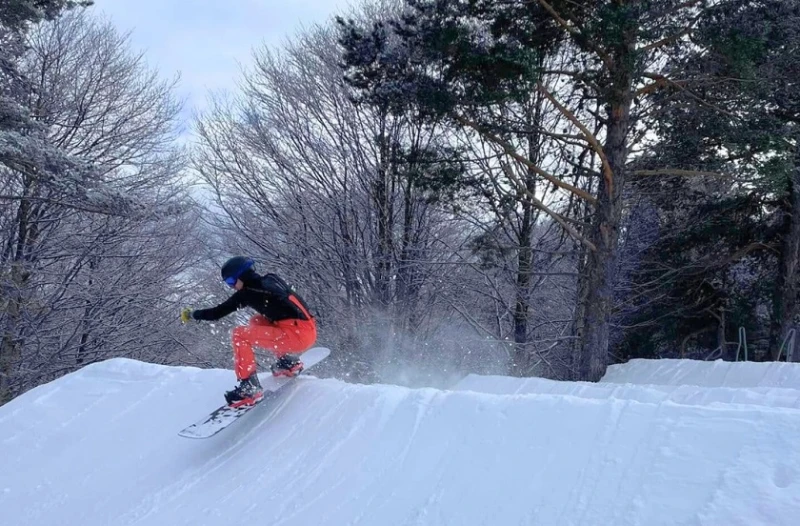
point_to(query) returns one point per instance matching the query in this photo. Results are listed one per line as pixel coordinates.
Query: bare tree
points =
(334, 196)
(82, 284)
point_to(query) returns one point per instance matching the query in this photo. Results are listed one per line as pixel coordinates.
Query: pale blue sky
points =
(205, 40)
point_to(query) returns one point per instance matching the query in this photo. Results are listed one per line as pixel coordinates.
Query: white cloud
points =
(206, 40)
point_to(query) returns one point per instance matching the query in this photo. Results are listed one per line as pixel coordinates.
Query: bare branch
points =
(678, 172)
(590, 138)
(511, 151)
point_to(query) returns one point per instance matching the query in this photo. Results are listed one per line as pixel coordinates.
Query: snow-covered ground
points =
(655, 443)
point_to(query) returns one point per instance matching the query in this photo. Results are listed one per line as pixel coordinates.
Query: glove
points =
(186, 315)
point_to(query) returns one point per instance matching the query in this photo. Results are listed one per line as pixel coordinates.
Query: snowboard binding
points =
(248, 392)
(287, 365)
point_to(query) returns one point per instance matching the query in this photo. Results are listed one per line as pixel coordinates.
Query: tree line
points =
(527, 187)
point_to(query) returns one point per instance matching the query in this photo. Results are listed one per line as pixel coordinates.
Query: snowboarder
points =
(283, 325)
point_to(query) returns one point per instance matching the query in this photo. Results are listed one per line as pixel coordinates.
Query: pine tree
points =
(459, 61)
(739, 118)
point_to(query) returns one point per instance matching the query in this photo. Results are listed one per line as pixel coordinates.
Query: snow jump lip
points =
(356, 454)
(765, 397)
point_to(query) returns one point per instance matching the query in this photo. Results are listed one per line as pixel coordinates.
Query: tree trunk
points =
(523, 289)
(785, 305)
(11, 342)
(383, 207)
(523, 358)
(599, 284)
(579, 316)
(602, 263)
(408, 279)
(83, 350)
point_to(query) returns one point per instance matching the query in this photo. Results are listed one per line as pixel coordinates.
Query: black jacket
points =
(268, 295)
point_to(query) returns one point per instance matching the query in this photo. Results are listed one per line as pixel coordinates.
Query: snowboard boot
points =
(248, 392)
(287, 365)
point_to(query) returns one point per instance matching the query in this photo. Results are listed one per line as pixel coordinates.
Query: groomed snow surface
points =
(655, 443)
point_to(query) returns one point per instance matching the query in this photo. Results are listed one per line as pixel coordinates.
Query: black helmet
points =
(234, 268)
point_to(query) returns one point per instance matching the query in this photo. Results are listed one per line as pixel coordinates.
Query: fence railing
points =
(790, 338)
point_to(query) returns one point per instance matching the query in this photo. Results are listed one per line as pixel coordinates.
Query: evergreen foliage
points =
(719, 267)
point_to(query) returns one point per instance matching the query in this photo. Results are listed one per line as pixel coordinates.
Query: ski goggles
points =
(232, 279)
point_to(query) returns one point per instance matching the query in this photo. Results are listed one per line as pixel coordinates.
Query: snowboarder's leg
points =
(298, 336)
(285, 339)
(249, 389)
(244, 360)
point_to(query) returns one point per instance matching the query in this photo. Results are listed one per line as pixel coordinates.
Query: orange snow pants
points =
(278, 337)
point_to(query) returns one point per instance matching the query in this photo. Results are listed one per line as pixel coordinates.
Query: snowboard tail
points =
(226, 415)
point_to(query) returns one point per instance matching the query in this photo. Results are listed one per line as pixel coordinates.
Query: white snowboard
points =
(225, 416)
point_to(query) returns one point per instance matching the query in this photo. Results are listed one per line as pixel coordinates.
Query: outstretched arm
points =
(221, 310)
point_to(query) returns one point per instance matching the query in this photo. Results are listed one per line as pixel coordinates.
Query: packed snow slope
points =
(99, 447)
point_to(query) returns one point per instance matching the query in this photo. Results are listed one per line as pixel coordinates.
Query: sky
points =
(207, 40)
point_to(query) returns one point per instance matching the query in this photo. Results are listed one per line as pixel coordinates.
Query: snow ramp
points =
(717, 373)
(100, 447)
